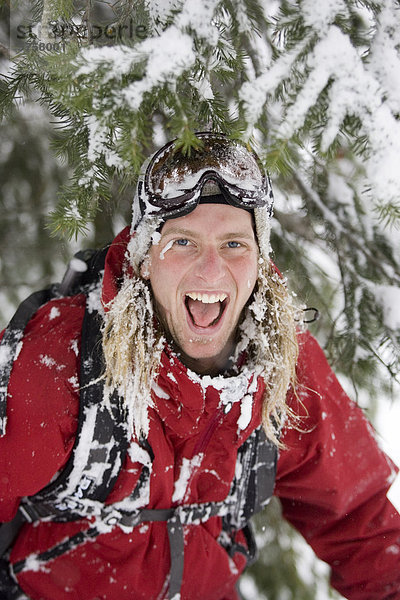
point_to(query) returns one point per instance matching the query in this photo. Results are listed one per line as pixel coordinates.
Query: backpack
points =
(83, 485)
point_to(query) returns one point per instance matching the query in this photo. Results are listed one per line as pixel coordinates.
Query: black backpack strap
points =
(84, 271)
(9, 589)
(93, 467)
(9, 532)
(251, 490)
(107, 423)
(262, 472)
(254, 487)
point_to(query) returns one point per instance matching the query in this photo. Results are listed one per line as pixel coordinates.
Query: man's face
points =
(202, 272)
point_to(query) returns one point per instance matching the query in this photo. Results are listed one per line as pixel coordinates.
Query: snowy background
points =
(388, 425)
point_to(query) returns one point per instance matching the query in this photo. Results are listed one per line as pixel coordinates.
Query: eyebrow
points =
(178, 230)
(191, 233)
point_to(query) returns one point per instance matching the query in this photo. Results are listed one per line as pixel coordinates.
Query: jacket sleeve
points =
(332, 481)
(42, 403)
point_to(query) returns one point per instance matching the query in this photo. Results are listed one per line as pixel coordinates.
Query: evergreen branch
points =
(373, 257)
(389, 214)
(392, 369)
(283, 156)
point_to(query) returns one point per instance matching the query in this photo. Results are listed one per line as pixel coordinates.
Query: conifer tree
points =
(315, 89)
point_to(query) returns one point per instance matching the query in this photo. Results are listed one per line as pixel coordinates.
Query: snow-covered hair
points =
(267, 331)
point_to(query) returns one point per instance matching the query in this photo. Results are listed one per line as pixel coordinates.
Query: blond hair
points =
(269, 337)
(132, 349)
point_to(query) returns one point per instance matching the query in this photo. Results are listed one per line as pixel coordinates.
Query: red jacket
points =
(332, 477)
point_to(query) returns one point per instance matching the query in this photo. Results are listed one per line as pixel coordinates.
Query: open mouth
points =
(205, 310)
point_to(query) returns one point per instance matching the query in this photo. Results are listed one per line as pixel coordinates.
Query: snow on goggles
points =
(173, 182)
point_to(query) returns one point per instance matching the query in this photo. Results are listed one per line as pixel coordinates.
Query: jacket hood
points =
(116, 266)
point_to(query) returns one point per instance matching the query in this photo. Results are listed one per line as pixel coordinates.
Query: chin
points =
(206, 347)
(207, 352)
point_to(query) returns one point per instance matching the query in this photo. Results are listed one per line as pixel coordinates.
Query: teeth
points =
(207, 298)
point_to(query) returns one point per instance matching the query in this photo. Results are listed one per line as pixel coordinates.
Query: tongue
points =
(203, 314)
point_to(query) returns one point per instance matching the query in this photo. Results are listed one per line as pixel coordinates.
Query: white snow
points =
(138, 454)
(83, 449)
(155, 238)
(165, 249)
(167, 56)
(74, 382)
(18, 349)
(159, 391)
(246, 406)
(50, 362)
(54, 313)
(187, 468)
(5, 354)
(254, 93)
(389, 298)
(200, 17)
(323, 17)
(93, 300)
(388, 420)
(383, 57)
(33, 563)
(160, 9)
(238, 388)
(74, 345)
(99, 136)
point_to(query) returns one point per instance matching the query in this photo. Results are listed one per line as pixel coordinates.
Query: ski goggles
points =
(173, 183)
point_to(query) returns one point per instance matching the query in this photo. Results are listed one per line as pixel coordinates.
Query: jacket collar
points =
(184, 400)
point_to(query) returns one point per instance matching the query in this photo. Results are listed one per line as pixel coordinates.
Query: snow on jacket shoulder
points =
(43, 402)
(332, 481)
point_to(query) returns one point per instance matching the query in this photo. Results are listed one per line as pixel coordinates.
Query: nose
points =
(211, 266)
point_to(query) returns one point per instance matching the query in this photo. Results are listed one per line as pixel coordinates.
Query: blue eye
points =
(182, 242)
(234, 245)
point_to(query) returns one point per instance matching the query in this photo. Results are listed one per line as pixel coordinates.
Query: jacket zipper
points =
(203, 442)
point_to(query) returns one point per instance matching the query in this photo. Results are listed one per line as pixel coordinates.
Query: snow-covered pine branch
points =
(317, 91)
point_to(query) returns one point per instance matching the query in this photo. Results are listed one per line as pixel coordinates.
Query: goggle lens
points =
(174, 181)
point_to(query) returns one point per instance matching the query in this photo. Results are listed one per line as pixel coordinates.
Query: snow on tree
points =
(316, 90)
(314, 87)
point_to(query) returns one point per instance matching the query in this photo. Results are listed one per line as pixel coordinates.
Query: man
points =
(205, 375)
